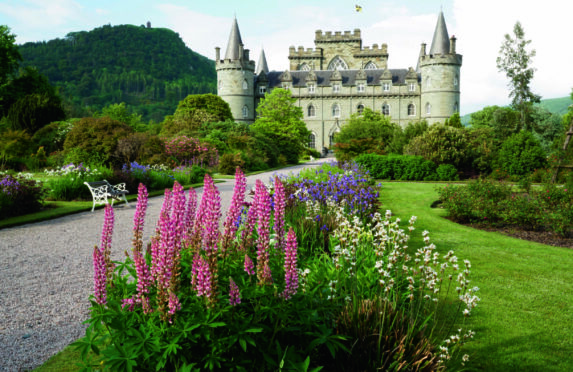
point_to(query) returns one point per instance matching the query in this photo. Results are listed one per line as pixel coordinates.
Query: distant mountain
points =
(558, 106)
(150, 69)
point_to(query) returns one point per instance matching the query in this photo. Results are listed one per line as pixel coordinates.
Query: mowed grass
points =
(524, 321)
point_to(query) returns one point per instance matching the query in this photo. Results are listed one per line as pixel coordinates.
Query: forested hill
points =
(150, 69)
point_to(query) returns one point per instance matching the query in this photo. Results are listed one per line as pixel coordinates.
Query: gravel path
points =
(46, 275)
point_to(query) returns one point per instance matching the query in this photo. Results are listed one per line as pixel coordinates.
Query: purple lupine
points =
(203, 283)
(143, 275)
(264, 216)
(190, 211)
(178, 213)
(173, 305)
(234, 294)
(139, 217)
(106, 235)
(291, 272)
(249, 267)
(230, 227)
(279, 215)
(212, 214)
(100, 277)
(129, 303)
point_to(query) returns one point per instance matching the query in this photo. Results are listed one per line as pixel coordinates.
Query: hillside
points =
(554, 105)
(150, 69)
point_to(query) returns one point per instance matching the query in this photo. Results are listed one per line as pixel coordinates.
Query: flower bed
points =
(252, 296)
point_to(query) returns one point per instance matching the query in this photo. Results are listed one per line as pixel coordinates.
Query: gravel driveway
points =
(46, 275)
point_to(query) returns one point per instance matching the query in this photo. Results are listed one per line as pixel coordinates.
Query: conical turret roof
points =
(234, 42)
(262, 64)
(441, 41)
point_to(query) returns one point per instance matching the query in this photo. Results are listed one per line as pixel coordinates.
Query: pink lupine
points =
(174, 304)
(139, 217)
(100, 278)
(212, 214)
(129, 303)
(106, 235)
(279, 215)
(190, 210)
(230, 225)
(234, 294)
(203, 284)
(264, 216)
(291, 272)
(249, 267)
(143, 275)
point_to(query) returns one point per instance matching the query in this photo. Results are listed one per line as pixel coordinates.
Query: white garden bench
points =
(102, 190)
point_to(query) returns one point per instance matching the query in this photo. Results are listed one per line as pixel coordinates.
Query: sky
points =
(479, 26)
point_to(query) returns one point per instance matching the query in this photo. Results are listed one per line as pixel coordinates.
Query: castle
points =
(340, 77)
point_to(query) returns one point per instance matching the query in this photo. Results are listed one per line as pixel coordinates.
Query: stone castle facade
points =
(340, 77)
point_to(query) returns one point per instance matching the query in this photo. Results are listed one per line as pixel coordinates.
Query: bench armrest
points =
(120, 187)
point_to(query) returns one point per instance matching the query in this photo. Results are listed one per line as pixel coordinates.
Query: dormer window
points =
(336, 88)
(386, 87)
(262, 89)
(360, 88)
(311, 88)
(285, 85)
(412, 87)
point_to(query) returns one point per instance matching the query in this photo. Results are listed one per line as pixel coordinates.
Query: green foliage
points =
(33, 111)
(229, 162)
(484, 147)
(280, 120)
(108, 65)
(9, 55)
(120, 112)
(515, 61)
(447, 172)
(53, 135)
(98, 136)
(415, 129)
(398, 167)
(521, 154)
(454, 121)
(19, 195)
(503, 120)
(14, 144)
(370, 132)
(442, 145)
(548, 128)
(141, 147)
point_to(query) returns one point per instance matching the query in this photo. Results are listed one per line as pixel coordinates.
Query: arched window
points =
(337, 63)
(385, 109)
(220, 85)
(312, 141)
(428, 82)
(336, 110)
(304, 67)
(245, 112)
(311, 111)
(428, 108)
(360, 109)
(456, 107)
(456, 80)
(245, 85)
(370, 66)
(411, 109)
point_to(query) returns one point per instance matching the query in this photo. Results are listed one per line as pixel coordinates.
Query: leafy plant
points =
(19, 195)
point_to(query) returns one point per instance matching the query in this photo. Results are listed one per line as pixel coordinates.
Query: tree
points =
(34, 111)
(281, 120)
(9, 55)
(515, 61)
(119, 112)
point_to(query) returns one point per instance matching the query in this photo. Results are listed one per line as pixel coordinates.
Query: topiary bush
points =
(521, 154)
(398, 167)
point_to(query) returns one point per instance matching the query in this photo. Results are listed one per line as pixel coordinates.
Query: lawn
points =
(524, 321)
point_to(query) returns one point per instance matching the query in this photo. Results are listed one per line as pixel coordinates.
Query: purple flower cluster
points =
(234, 294)
(139, 217)
(279, 199)
(234, 213)
(100, 280)
(249, 266)
(9, 185)
(263, 206)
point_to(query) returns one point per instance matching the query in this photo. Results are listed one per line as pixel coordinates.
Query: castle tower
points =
(440, 72)
(235, 77)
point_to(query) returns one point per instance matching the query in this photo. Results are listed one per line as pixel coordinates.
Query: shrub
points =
(191, 151)
(189, 175)
(398, 167)
(442, 145)
(229, 162)
(141, 147)
(19, 195)
(520, 154)
(447, 172)
(155, 178)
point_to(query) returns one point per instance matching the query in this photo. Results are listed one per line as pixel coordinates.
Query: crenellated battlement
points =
(225, 64)
(338, 36)
(300, 52)
(375, 50)
(428, 59)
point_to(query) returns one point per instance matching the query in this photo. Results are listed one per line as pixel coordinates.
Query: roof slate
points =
(234, 42)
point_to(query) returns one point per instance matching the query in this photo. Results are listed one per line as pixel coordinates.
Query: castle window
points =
(360, 88)
(245, 85)
(312, 141)
(337, 63)
(428, 108)
(456, 80)
(456, 107)
(370, 66)
(336, 88)
(304, 67)
(360, 109)
(311, 111)
(311, 88)
(336, 110)
(428, 81)
(285, 85)
(386, 87)
(412, 87)
(411, 109)
(385, 109)
(220, 85)
(245, 112)
(262, 89)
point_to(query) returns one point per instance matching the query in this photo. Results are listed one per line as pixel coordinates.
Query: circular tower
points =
(440, 72)
(235, 77)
